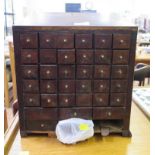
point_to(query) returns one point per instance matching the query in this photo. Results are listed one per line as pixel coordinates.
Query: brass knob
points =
(29, 71)
(30, 100)
(47, 40)
(65, 40)
(100, 99)
(66, 57)
(48, 100)
(28, 40)
(118, 85)
(48, 86)
(42, 125)
(102, 56)
(101, 71)
(109, 113)
(120, 71)
(48, 72)
(121, 57)
(66, 86)
(66, 71)
(66, 100)
(75, 114)
(83, 40)
(118, 100)
(121, 41)
(84, 56)
(84, 71)
(83, 86)
(29, 56)
(101, 85)
(30, 86)
(103, 41)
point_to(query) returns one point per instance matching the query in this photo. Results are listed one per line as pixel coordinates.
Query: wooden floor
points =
(139, 144)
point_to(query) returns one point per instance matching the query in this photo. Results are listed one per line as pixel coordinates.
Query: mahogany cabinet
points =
(73, 71)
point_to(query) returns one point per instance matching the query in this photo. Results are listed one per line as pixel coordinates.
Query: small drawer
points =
(65, 113)
(66, 56)
(29, 40)
(29, 56)
(84, 56)
(84, 72)
(121, 41)
(83, 100)
(103, 56)
(30, 86)
(101, 86)
(48, 56)
(119, 86)
(47, 40)
(101, 99)
(66, 100)
(101, 113)
(83, 86)
(37, 114)
(66, 86)
(65, 40)
(83, 40)
(119, 72)
(48, 71)
(30, 71)
(48, 100)
(31, 100)
(40, 125)
(66, 72)
(118, 99)
(102, 71)
(120, 57)
(103, 41)
(48, 86)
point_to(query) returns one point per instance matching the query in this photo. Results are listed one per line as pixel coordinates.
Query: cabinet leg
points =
(50, 134)
(126, 133)
(23, 134)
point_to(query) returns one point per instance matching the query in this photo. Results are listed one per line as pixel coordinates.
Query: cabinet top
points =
(73, 21)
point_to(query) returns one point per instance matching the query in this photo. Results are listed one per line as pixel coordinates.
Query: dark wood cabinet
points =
(73, 71)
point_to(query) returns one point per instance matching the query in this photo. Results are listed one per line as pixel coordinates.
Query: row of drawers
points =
(71, 100)
(79, 71)
(46, 119)
(72, 86)
(69, 40)
(49, 56)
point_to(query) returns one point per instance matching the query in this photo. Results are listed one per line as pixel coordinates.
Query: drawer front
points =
(48, 56)
(100, 99)
(30, 71)
(65, 113)
(119, 86)
(66, 86)
(83, 40)
(47, 40)
(118, 99)
(101, 113)
(48, 100)
(119, 72)
(83, 100)
(29, 56)
(48, 71)
(121, 41)
(66, 100)
(66, 56)
(40, 125)
(65, 40)
(30, 86)
(66, 72)
(29, 40)
(36, 114)
(31, 100)
(83, 86)
(48, 86)
(84, 72)
(84, 56)
(103, 41)
(103, 56)
(120, 57)
(101, 86)
(102, 71)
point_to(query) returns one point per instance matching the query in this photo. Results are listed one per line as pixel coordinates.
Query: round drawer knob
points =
(118, 85)
(75, 114)
(28, 40)
(121, 57)
(29, 56)
(84, 71)
(100, 99)
(48, 72)
(66, 57)
(66, 86)
(120, 71)
(121, 41)
(29, 72)
(83, 40)
(47, 40)
(42, 125)
(83, 86)
(84, 56)
(103, 41)
(30, 86)
(48, 100)
(102, 56)
(66, 100)
(65, 40)
(109, 113)
(118, 100)
(66, 72)
(48, 86)
(30, 100)
(101, 85)
(101, 71)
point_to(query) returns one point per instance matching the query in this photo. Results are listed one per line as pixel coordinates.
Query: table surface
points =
(139, 144)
